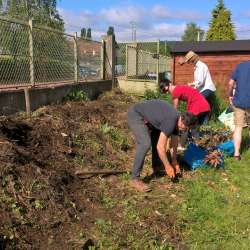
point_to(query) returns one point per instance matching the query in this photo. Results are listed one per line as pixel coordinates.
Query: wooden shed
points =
(220, 56)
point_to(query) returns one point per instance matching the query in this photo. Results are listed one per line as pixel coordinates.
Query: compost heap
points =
(209, 139)
(43, 204)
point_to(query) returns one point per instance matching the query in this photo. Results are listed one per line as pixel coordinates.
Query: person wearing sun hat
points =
(202, 78)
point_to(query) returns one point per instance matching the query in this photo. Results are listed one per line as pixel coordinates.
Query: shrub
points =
(76, 95)
(219, 103)
(150, 94)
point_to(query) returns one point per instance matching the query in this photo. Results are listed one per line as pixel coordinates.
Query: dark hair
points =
(189, 119)
(164, 83)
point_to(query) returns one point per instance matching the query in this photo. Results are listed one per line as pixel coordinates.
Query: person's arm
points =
(199, 77)
(231, 85)
(175, 103)
(161, 149)
(174, 145)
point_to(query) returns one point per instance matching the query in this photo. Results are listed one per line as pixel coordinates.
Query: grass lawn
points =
(215, 213)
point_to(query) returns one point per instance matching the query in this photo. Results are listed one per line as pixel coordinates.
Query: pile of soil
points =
(43, 204)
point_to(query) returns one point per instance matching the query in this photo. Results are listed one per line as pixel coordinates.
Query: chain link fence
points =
(33, 55)
(142, 61)
(90, 59)
(14, 53)
(53, 56)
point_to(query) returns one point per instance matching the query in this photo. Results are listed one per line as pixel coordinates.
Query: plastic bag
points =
(227, 118)
(227, 148)
(194, 156)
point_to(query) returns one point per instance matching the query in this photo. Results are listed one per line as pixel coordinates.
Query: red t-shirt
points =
(196, 103)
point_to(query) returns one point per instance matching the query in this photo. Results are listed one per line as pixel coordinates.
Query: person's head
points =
(189, 58)
(186, 120)
(164, 85)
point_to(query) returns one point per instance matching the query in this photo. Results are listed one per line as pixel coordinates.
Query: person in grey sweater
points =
(152, 123)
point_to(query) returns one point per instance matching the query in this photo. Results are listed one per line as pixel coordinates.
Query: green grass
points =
(215, 213)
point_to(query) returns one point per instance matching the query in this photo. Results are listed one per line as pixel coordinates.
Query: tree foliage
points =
(110, 31)
(83, 33)
(89, 35)
(193, 33)
(43, 12)
(221, 26)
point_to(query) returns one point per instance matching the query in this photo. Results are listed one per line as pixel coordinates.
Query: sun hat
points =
(190, 55)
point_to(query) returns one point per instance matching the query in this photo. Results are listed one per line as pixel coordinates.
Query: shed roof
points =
(210, 46)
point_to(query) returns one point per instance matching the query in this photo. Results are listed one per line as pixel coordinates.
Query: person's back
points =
(158, 113)
(196, 103)
(241, 76)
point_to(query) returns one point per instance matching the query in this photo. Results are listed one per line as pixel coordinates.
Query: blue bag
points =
(227, 148)
(194, 156)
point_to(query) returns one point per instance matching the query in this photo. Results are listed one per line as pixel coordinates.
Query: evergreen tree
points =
(83, 33)
(193, 33)
(88, 36)
(221, 26)
(110, 31)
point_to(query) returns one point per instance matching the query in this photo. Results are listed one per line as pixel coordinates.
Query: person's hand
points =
(231, 99)
(177, 168)
(170, 171)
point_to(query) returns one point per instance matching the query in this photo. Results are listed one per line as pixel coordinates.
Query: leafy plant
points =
(76, 95)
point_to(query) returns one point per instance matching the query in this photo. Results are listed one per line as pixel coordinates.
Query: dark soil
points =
(44, 205)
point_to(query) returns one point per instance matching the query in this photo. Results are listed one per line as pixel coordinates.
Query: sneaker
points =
(237, 157)
(139, 186)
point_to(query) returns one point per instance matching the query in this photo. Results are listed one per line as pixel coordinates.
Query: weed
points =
(116, 136)
(104, 225)
(76, 95)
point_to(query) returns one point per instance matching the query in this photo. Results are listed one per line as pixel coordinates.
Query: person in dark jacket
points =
(161, 119)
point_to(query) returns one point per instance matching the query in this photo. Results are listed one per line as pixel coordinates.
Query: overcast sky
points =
(164, 20)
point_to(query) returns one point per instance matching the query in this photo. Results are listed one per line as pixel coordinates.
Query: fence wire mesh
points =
(53, 56)
(89, 56)
(146, 61)
(14, 54)
(34, 55)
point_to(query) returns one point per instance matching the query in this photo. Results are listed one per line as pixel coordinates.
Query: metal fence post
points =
(75, 58)
(31, 53)
(27, 101)
(158, 62)
(103, 60)
(126, 61)
(136, 60)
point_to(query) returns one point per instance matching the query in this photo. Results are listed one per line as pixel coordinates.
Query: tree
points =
(88, 36)
(110, 31)
(193, 33)
(83, 33)
(43, 12)
(220, 25)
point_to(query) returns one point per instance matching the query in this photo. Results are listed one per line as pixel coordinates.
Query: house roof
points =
(210, 46)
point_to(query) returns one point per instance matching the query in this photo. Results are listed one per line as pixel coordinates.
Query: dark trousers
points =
(194, 132)
(144, 138)
(208, 94)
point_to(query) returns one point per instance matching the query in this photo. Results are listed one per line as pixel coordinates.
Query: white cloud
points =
(162, 12)
(242, 30)
(151, 24)
(123, 15)
(76, 20)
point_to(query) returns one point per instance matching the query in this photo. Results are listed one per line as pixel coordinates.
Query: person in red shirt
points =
(196, 103)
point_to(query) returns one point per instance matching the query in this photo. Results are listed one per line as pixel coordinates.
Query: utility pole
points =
(133, 28)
